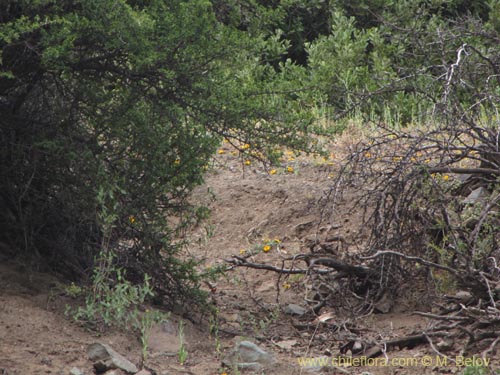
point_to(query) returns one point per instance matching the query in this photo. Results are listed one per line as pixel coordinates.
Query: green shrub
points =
(110, 112)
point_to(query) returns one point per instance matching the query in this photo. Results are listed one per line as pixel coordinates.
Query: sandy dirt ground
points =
(251, 206)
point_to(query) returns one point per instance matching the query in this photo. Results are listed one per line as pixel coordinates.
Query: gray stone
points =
(105, 358)
(164, 339)
(248, 356)
(249, 352)
(357, 347)
(384, 305)
(477, 195)
(463, 295)
(461, 177)
(143, 372)
(76, 371)
(115, 371)
(286, 344)
(293, 309)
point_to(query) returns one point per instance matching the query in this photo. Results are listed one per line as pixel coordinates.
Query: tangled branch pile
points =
(430, 194)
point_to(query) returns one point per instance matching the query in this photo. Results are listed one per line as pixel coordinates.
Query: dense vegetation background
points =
(110, 110)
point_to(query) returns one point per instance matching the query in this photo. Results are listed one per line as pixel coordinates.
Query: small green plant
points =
(113, 300)
(73, 290)
(143, 324)
(296, 278)
(268, 320)
(214, 325)
(182, 354)
(475, 370)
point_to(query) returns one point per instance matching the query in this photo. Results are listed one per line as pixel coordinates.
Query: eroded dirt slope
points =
(251, 207)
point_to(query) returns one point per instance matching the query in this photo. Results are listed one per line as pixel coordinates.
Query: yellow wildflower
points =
(131, 219)
(368, 155)
(177, 161)
(266, 248)
(246, 146)
(273, 171)
(277, 240)
(289, 169)
(286, 286)
(221, 151)
(242, 251)
(248, 162)
(446, 177)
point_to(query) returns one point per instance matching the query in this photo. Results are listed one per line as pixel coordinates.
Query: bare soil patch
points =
(251, 207)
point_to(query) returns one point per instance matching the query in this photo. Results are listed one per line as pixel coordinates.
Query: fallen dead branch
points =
(430, 198)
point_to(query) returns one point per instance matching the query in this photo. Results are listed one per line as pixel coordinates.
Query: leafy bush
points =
(110, 111)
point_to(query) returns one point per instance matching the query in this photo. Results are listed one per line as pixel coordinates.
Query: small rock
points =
(384, 305)
(164, 339)
(286, 344)
(249, 352)
(463, 295)
(462, 177)
(115, 371)
(143, 372)
(357, 347)
(248, 356)
(76, 371)
(105, 358)
(477, 195)
(293, 309)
